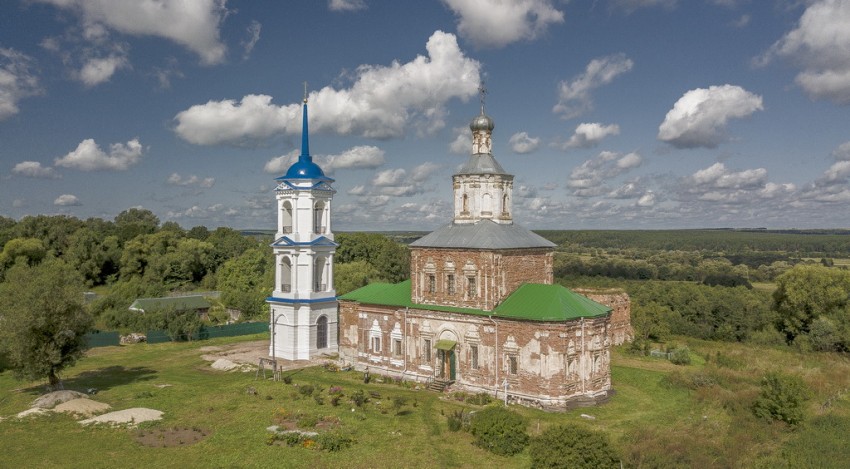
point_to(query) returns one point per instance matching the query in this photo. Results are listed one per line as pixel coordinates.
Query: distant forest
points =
(775, 287)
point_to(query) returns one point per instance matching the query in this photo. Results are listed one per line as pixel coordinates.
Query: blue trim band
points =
(273, 299)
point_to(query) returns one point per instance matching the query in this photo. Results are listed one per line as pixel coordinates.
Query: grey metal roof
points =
(484, 234)
(481, 163)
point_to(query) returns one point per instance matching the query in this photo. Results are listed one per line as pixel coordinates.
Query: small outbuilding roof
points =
(484, 234)
(530, 302)
(175, 303)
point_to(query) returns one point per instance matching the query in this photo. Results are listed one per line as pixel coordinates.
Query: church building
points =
(303, 306)
(480, 312)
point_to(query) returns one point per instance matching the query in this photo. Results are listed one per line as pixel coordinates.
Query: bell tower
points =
(482, 189)
(303, 306)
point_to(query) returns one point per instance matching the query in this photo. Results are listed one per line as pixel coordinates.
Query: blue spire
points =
(305, 137)
(304, 168)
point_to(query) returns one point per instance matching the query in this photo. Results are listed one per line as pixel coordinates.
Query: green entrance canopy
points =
(446, 344)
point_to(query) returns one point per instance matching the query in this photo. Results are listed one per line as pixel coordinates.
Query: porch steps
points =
(439, 385)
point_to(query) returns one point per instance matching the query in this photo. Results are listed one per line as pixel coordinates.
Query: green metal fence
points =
(212, 332)
(102, 339)
(106, 339)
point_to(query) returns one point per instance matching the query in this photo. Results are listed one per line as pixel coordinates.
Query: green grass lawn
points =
(653, 420)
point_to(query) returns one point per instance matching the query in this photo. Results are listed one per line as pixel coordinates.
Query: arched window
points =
(322, 332)
(487, 204)
(286, 275)
(286, 218)
(505, 210)
(464, 204)
(319, 218)
(319, 275)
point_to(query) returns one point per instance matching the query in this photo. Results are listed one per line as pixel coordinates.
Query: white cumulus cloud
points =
(589, 179)
(718, 176)
(281, 163)
(462, 144)
(574, 97)
(359, 157)
(34, 169)
(192, 24)
(589, 134)
(521, 143)
(381, 102)
(838, 171)
(699, 117)
(177, 180)
(89, 157)
(17, 81)
(98, 70)
(496, 23)
(67, 200)
(401, 183)
(842, 153)
(646, 200)
(346, 5)
(820, 44)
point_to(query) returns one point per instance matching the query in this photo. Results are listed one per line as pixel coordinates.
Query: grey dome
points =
(482, 122)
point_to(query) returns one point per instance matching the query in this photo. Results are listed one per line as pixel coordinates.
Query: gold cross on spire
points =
(305, 92)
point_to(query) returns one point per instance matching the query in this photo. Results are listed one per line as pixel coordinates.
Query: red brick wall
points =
(621, 314)
(543, 351)
(497, 274)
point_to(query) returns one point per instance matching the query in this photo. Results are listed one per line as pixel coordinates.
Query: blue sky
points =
(611, 113)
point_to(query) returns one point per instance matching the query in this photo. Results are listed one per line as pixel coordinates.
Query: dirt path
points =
(249, 353)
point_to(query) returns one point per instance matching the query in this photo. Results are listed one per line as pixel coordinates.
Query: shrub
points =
(482, 398)
(781, 398)
(308, 421)
(287, 379)
(691, 381)
(398, 403)
(359, 398)
(572, 447)
(680, 356)
(499, 431)
(306, 389)
(455, 420)
(287, 438)
(333, 441)
(726, 361)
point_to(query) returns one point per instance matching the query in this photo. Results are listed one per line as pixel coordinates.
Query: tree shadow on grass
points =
(110, 376)
(101, 379)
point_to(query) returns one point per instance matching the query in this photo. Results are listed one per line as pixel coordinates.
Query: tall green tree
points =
(390, 259)
(807, 292)
(54, 230)
(96, 257)
(43, 321)
(134, 222)
(246, 281)
(352, 275)
(32, 250)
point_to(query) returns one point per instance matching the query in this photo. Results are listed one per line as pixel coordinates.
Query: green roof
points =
(530, 302)
(175, 303)
(539, 302)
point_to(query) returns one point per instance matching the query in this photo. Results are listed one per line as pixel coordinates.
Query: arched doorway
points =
(446, 356)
